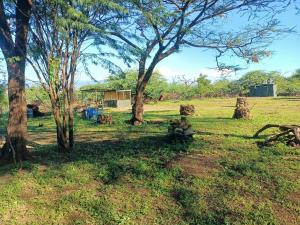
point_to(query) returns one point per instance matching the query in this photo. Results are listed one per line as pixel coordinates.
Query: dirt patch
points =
(22, 217)
(78, 217)
(198, 165)
(32, 191)
(294, 197)
(6, 178)
(284, 216)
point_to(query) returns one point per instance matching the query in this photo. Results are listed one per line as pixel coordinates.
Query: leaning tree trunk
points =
(138, 108)
(15, 147)
(143, 79)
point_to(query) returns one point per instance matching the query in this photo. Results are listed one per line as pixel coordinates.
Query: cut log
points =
(187, 110)
(105, 119)
(242, 110)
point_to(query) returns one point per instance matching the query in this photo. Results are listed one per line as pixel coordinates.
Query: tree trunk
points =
(15, 147)
(61, 134)
(143, 79)
(14, 51)
(138, 108)
(62, 140)
(71, 129)
(71, 119)
(138, 105)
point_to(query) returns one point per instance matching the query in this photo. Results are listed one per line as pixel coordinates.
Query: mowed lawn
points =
(121, 174)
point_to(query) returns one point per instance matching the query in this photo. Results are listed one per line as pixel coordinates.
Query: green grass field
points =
(121, 174)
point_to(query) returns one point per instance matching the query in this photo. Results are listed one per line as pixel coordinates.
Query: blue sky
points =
(192, 61)
(286, 56)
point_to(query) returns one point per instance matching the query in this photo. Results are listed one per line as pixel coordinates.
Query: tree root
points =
(290, 133)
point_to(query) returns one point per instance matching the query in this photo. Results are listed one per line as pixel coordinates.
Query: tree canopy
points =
(154, 30)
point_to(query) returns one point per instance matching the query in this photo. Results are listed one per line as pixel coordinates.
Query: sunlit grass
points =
(120, 174)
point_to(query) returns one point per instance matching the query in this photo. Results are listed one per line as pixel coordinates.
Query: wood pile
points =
(35, 110)
(161, 97)
(187, 110)
(290, 134)
(180, 129)
(105, 119)
(242, 110)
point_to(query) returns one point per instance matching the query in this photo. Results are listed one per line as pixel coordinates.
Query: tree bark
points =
(15, 55)
(61, 131)
(143, 79)
(138, 107)
(15, 147)
(71, 115)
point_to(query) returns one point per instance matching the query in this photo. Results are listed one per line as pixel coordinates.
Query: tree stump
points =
(105, 119)
(180, 130)
(187, 110)
(242, 110)
(161, 97)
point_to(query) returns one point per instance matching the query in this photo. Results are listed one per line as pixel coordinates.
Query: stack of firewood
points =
(187, 110)
(242, 110)
(180, 129)
(105, 119)
(35, 110)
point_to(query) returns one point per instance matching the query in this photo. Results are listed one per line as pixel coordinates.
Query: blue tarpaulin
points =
(91, 112)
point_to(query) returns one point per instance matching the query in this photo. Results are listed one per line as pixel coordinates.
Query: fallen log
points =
(187, 110)
(290, 133)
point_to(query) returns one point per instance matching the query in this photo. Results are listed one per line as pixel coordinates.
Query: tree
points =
(13, 43)
(128, 79)
(258, 77)
(205, 87)
(293, 84)
(296, 75)
(60, 33)
(223, 88)
(156, 29)
(250, 79)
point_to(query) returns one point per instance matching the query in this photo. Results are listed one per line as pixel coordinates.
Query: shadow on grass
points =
(226, 135)
(114, 158)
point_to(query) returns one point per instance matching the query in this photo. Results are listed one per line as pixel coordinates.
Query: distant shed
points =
(263, 90)
(117, 98)
(109, 97)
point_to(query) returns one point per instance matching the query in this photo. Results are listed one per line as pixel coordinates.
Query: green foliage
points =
(127, 81)
(3, 94)
(37, 93)
(204, 86)
(285, 86)
(3, 98)
(252, 78)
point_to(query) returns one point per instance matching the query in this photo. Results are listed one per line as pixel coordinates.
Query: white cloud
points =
(212, 74)
(168, 72)
(215, 74)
